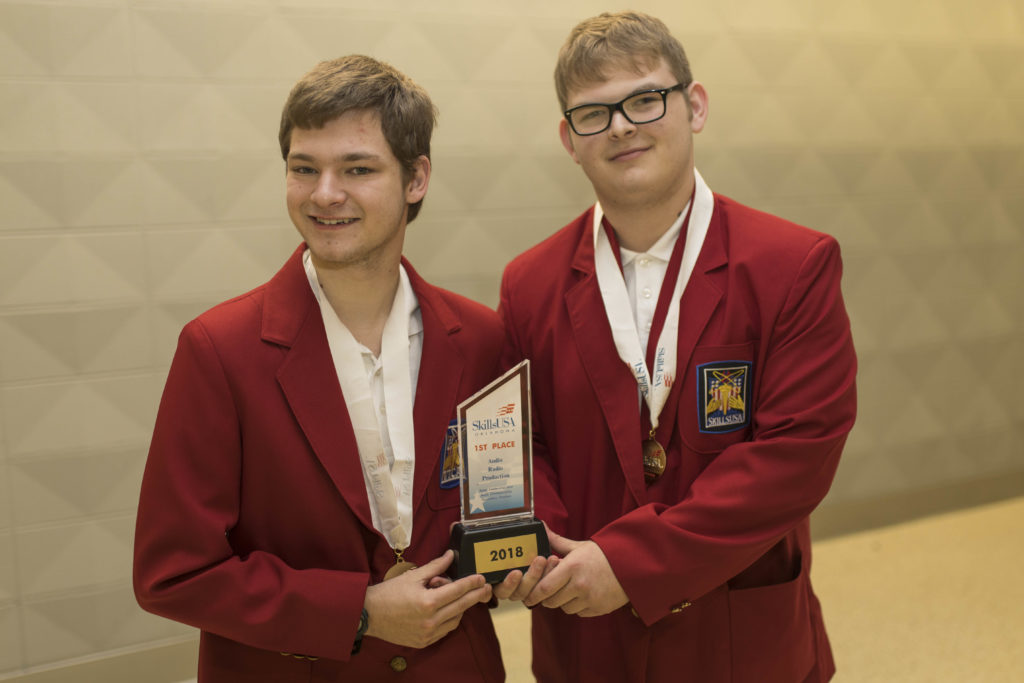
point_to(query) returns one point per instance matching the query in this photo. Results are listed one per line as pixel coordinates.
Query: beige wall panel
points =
(11, 637)
(61, 489)
(85, 414)
(71, 269)
(64, 557)
(76, 625)
(19, 209)
(8, 579)
(6, 506)
(189, 263)
(55, 343)
(91, 39)
(31, 119)
(96, 118)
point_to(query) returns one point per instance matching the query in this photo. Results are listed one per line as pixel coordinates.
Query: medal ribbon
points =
(391, 485)
(654, 370)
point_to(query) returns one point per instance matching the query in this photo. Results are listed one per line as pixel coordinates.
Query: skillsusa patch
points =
(450, 461)
(723, 395)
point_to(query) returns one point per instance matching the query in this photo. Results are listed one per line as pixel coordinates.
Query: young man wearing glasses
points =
(693, 389)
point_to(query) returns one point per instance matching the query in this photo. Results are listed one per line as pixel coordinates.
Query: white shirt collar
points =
(412, 304)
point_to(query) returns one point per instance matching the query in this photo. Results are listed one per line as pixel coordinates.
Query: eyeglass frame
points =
(617, 107)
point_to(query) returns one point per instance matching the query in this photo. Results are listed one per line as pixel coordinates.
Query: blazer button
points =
(398, 664)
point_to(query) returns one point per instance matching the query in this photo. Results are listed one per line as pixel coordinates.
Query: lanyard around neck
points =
(654, 368)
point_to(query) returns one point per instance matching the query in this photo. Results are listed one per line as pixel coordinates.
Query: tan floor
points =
(934, 600)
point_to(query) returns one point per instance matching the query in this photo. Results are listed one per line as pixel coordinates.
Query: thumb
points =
(436, 567)
(560, 545)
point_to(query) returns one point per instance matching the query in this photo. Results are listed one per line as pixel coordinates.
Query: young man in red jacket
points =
(294, 481)
(693, 386)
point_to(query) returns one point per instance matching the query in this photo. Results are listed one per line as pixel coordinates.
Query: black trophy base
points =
(495, 550)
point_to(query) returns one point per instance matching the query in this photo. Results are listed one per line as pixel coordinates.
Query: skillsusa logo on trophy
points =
(498, 532)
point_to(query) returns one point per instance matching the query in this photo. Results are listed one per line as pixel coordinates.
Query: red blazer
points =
(254, 524)
(726, 527)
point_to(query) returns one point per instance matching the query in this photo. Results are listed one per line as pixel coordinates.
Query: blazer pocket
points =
(771, 632)
(716, 401)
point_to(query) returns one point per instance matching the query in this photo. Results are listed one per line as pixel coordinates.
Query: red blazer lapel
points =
(441, 368)
(611, 380)
(292, 319)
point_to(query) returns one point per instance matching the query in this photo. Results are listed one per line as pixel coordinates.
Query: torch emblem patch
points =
(723, 396)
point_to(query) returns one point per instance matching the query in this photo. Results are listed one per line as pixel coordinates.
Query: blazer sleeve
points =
(755, 492)
(184, 566)
(548, 505)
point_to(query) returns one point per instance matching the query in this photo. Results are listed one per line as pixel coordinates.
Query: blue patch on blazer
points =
(450, 460)
(723, 395)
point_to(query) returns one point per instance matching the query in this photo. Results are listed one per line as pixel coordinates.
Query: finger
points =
(562, 598)
(508, 585)
(454, 610)
(574, 606)
(454, 590)
(438, 581)
(534, 573)
(552, 583)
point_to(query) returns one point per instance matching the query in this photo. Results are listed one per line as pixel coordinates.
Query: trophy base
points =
(497, 549)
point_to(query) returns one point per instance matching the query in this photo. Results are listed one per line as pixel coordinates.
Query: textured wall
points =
(140, 184)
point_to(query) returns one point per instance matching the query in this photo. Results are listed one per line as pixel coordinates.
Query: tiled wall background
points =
(140, 184)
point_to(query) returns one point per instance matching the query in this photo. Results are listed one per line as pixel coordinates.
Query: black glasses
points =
(640, 107)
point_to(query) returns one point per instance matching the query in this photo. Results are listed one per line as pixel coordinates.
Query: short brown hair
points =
(356, 82)
(611, 39)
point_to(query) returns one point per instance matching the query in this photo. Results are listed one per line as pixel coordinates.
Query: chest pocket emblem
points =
(723, 396)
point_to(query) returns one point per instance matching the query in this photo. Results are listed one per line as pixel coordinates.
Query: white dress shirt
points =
(644, 273)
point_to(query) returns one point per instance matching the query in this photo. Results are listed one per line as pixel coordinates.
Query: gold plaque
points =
(505, 553)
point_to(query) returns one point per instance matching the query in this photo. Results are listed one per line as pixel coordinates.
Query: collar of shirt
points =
(412, 304)
(662, 249)
(644, 284)
(412, 311)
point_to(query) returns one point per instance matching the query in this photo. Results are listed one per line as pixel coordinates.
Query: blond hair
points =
(616, 39)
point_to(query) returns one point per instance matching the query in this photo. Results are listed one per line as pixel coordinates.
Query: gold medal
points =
(654, 459)
(400, 566)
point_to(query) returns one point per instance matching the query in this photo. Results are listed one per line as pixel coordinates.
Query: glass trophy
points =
(498, 532)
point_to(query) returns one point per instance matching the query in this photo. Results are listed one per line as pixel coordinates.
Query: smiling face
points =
(639, 165)
(348, 195)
